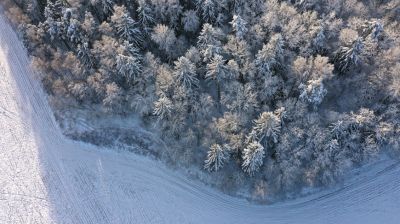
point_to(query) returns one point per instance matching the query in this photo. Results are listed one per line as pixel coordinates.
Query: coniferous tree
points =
(239, 26)
(129, 66)
(185, 73)
(163, 107)
(165, 38)
(268, 125)
(125, 26)
(348, 56)
(85, 55)
(216, 157)
(146, 16)
(313, 92)
(253, 156)
(270, 56)
(89, 25)
(190, 21)
(209, 41)
(394, 87)
(107, 6)
(113, 98)
(211, 9)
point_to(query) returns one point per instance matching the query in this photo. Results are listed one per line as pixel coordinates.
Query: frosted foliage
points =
(203, 107)
(216, 157)
(126, 26)
(244, 101)
(305, 4)
(107, 6)
(185, 73)
(377, 30)
(209, 41)
(129, 66)
(217, 70)
(348, 36)
(85, 55)
(363, 118)
(394, 87)
(373, 29)
(268, 125)
(113, 96)
(163, 107)
(327, 168)
(270, 55)
(210, 52)
(209, 35)
(349, 56)
(313, 68)
(238, 49)
(339, 129)
(253, 156)
(73, 31)
(164, 37)
(319, 42)
(211, 9)
(239, 26)
(190, 21)
(167, 11)
(53, 24)
(53, 29)
(146, 17)
(78, 90)
(313, 93)
(269, 87)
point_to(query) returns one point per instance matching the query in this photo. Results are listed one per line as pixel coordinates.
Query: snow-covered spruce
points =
(253, 156)
(216, 157)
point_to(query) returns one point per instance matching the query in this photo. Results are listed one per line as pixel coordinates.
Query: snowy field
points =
(45, 178)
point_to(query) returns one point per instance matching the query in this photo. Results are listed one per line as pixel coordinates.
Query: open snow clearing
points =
(46, 178)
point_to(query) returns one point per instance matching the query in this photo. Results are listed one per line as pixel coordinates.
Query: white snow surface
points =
(46, 178)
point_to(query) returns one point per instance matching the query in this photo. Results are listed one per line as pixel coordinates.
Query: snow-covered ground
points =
(45, 178)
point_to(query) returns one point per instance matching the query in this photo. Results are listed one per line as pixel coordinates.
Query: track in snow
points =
(45, 178)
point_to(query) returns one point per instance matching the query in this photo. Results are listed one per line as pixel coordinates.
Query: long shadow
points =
(38, 188)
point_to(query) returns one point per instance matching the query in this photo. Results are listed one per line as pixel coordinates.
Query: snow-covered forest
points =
(272, 94)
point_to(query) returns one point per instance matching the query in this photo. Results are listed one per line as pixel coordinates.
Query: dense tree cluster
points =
(292, 93)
